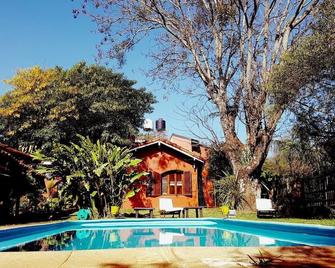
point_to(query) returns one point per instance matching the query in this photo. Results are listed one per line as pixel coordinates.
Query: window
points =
(173, 182)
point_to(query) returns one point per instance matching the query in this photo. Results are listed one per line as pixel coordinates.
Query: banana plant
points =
(95, 175)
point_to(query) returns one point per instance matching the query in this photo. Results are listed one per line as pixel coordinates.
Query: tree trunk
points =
(250, 188)
(17, 205)
(246, 164)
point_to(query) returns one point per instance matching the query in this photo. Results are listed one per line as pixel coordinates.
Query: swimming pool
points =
(136, 233)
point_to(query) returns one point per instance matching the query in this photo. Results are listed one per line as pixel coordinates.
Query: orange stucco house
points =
(177, 169)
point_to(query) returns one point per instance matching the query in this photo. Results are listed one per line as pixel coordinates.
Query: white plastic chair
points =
(264, 206)
(166, 207)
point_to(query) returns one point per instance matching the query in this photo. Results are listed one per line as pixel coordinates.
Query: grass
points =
(241, 215)
(253, 217)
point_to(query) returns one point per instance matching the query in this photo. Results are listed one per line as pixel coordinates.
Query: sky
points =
(44, 33)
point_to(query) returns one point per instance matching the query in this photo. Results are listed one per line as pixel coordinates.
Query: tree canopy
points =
(53, 105)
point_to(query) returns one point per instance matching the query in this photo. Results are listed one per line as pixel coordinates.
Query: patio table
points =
(197, 210)
(150, 211)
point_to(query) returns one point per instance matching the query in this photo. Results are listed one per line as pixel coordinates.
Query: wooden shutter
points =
(179, 183)
(172, 184)
(157, 184)
(188, 183)
(150, 184)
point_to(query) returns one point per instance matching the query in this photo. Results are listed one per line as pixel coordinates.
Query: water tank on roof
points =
(160, 124)
(195, 145)
(148, 125)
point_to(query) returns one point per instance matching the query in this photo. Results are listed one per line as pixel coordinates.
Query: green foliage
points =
(16, 181)
(218, 164)
(296, 176)
(307, 75)
(51, 106)
(95, 175)
(309, 63)
(291, 160)
(268, 179)
(228, 192)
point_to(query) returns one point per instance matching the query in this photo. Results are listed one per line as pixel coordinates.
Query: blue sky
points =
(44, 32)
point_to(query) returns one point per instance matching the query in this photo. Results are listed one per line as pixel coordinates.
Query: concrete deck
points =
(171, 257)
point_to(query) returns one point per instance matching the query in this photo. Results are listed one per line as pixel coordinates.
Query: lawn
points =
(216, 213)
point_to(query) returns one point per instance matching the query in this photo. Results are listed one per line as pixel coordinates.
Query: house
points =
(177, 169)
(14, 165)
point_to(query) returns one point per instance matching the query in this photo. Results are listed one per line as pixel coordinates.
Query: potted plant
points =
(225, 210)
(115, 210)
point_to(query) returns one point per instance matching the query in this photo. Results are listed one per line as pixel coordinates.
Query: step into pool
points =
(109, 234)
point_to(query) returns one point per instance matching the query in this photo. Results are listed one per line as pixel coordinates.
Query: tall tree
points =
(231, 46)
(53, 105)
(21, 110)
(307, 76)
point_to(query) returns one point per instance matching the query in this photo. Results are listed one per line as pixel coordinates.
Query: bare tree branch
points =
(230, 46)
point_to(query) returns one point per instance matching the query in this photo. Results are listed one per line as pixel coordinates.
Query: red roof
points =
(15, 152)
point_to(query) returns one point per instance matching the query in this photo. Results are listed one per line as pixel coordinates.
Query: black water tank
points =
(160, 124)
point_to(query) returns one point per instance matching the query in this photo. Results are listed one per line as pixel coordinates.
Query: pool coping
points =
(171, 257)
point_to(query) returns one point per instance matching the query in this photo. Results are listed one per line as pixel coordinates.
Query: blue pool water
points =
(106, 234)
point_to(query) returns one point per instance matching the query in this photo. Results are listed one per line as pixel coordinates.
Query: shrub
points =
(228, 191)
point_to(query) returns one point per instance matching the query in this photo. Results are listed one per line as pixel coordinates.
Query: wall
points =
(161, 160)
(182, 142)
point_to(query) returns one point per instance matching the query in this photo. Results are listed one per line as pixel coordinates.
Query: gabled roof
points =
(170, 145)
(20, 161)
(15, 152)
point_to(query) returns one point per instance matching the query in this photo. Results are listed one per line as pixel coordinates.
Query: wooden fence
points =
(320, 191)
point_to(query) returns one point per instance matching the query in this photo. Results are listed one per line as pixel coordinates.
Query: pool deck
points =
(169, 257)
